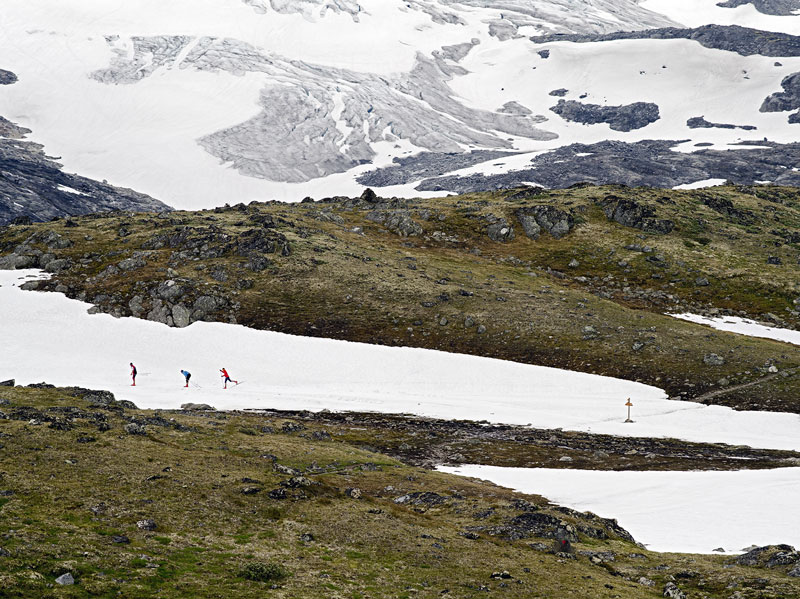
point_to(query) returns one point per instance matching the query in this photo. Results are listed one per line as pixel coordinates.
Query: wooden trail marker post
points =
(629, 404)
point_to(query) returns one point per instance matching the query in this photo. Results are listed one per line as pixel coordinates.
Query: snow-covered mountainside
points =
(205, 102)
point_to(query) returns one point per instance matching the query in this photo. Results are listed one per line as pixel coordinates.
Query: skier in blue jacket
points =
(187, 375)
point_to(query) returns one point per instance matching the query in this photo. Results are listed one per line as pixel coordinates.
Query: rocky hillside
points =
(579, 278)
(33, 186)
(98, 498)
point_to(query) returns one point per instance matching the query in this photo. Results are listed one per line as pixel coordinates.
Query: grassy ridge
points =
(593, 300)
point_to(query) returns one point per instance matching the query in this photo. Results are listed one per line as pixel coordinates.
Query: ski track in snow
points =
(48, 337)
(688, 512)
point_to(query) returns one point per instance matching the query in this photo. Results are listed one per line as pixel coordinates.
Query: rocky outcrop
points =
(550, 219)
(33, 187)
(699, 122)
(631, 214)
(397, 221)
(780, 8)
(620, 118)
(732, 38)
(500, 231)
(7, 77)
(788, 99)
(426, 164)
(650, 163)
(725, 207)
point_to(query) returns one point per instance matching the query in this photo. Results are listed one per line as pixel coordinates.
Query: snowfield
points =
(689, 512)
(743, 326)
(370, 81)
(47, 337)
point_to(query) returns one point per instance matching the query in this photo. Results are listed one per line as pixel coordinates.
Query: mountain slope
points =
(480, 274)
(241, 100)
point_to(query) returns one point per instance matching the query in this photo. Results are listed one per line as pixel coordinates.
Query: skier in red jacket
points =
(227, 378)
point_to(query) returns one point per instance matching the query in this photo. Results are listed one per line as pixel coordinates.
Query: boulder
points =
(197, 407)
(500, 231)
(550, 219)
(65, 579)
(58, 265)
(147, 524)
(131, 264)
(8, 383)
(671, 591)
(181, 316)
(135, 429)
(713, 360)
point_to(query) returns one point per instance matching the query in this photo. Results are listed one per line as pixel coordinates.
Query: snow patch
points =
(692, 512)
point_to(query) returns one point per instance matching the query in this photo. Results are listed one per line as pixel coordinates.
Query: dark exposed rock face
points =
(649, 163)
(699, 122)
(781, 8)
(620, 118)
(34, 187)
(550, 219)
(7, 77)
(788, 99)
(427, 164)
(733, 38)
(630, 214)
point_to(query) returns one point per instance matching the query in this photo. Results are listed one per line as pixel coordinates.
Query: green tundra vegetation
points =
(123, 502)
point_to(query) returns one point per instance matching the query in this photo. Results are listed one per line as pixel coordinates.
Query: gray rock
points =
(131, 264)
(589, 332)
(646, 163)
(34, 187)
(426, 164)
(671, 591)
(698, 122)
(7, 77)
(181, 316)
(500, 231)
(147, 524)
(197, 407)
(8, 383)
(782, 8)
(701, 282)
(732, 38)
(713, 360)
(65, 579)
(788, 99)
(159, 313)
(170, 291)
(135, 306)
(631, 214)
(529, 224)
(135, 429)
(57, 266)
(620, 118)
(553, 220)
